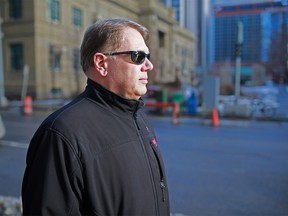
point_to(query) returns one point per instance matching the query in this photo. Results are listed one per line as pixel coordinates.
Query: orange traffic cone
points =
(215, 117)
(27, 105)
(176, 113)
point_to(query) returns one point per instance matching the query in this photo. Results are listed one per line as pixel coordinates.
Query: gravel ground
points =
(10, 206)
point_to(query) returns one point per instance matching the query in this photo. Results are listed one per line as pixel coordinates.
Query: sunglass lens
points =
(139, 57)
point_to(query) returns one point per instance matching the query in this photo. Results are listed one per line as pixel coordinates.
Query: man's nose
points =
(148, 66)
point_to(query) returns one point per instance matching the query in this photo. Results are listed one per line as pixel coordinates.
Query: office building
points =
(45, 35)
(195, 16)
(265, 35)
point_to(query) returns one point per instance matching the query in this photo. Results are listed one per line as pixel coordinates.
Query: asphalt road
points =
(238, 168)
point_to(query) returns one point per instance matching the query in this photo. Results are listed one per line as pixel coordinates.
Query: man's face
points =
(124, 77)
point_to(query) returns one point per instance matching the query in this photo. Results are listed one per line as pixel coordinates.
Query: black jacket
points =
(97, 155)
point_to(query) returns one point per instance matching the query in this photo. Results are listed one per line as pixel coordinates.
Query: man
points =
(98, 155)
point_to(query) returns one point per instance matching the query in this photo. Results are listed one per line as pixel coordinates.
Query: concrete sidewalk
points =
(281, 113)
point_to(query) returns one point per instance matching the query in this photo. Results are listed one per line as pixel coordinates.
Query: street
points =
(238, 168)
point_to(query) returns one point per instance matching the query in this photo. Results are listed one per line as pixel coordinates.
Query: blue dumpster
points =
(192, 103)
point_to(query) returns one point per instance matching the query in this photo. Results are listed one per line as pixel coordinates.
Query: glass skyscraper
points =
(265, 34)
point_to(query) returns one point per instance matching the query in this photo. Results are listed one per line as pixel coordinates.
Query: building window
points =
(161, 37)
(55, 53)
(77, 17)
(15, 9)
(16, 56)
(53, 10)
(76, 59)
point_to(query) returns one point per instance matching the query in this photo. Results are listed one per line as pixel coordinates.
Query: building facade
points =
(195, 16)
(265, 36)
(46, 35)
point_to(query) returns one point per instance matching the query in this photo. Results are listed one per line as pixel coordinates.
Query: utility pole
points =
(238, 61)
(3, 100)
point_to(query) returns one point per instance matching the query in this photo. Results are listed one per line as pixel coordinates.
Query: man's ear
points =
(99, 60)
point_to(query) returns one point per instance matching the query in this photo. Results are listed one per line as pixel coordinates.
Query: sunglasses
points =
(138, 57)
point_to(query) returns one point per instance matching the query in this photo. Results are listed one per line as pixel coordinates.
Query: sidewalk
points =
(281, 113)
(51, 105)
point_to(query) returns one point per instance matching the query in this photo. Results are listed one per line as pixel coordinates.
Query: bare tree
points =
(278, 55)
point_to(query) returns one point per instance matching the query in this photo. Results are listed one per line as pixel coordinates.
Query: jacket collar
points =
(110, 100)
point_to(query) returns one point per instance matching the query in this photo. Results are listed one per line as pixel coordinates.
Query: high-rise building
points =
(194, 15)
(265, 35)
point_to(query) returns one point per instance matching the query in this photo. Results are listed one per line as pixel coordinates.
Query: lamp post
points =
(3, 100)
(238, 61)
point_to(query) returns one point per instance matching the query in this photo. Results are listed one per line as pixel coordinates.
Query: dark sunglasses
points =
(138, 57)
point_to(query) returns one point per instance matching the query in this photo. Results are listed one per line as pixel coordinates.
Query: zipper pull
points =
(163, 189)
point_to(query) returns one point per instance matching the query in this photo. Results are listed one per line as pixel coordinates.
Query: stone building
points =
(46, 35)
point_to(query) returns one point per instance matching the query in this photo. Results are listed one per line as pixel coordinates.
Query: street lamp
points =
(3, 100)
(238, 61)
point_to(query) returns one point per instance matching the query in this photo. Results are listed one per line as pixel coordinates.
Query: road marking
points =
(13, 144)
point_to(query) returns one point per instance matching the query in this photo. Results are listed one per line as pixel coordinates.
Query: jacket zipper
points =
(147, 159)
(163, 189)
(162, 183)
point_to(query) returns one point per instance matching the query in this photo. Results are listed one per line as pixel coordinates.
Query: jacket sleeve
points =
(52, 183)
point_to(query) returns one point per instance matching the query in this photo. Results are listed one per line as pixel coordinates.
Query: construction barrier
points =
(175, 106)
(215, 117)
(27, 105)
